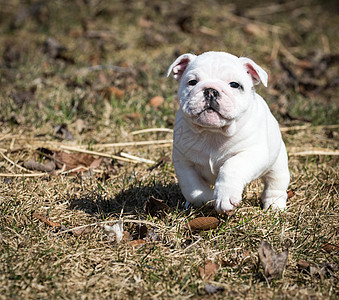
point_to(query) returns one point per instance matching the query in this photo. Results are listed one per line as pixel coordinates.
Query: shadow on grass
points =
(132, 200)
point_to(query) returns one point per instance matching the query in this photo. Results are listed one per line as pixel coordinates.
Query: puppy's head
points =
(215, 87)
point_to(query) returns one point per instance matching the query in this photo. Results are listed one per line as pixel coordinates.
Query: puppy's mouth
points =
(212, 108)
(210, 117)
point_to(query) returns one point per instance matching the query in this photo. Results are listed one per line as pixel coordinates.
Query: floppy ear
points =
(257, 73)
(180, 64)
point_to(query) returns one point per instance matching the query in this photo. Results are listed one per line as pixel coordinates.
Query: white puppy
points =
(225, 135)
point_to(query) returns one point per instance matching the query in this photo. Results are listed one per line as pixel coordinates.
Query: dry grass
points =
(40, 261)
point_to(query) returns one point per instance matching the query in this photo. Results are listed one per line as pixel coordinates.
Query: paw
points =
(225, 203)
(275, 200)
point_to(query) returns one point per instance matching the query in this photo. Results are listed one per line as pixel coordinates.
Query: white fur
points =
(229, 148)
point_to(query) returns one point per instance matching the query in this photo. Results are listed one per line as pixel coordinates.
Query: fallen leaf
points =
(328, 247)
(73, 160)
(114, 92)
(47, 220)
(81, 231)
(212, 289)
(315, 270)
(303, 265)
(133, 116)
(272, 263)
(156, 101)
(62, 132)
(33, 165)
(96, 163)
(156, 207)
(137, 243)
(290, 194)
(20, 98)
(203, 223)
(115, 232)
(208, 270)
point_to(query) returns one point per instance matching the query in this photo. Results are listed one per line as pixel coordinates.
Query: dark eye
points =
(235, 85)
(193, 82)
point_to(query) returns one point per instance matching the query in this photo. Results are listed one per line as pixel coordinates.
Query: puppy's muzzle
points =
(211, 96)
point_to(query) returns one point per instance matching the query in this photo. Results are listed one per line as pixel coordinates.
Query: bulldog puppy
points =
(225, 135)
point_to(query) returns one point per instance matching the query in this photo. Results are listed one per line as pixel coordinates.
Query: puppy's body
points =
(225, 135)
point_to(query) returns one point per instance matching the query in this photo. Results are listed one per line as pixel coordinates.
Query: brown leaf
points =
(156, 207)
(209, 269)
(46, 220)
(303, 265)
(137, 243)
(133, 116)
(81, 231)
(113, 91)
(96, 163)
(73, 160)
(20, 98)
(315, 270)
(156, 101)
(272, 263)
(33, 165)
(203, 223)
(328, 247)
(62, 132)
(290, 194)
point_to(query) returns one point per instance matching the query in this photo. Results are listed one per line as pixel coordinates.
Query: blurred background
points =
(93, 64)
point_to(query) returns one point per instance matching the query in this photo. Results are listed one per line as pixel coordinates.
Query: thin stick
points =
(97, 153)
(13, 163)
(6, 136)
(272, 9)
(288, 54)
(302, 127)
(152, 130)
(127, 144)
(314, 152)
(136, 158)
(23, 175)
(108, 67)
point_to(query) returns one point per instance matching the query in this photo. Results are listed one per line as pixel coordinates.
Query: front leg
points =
(236, 172)
(194, 188)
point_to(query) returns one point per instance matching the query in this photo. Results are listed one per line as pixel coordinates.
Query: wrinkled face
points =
(215, 89)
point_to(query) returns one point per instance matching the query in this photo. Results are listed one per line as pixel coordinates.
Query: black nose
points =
(211, 95)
